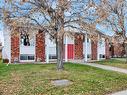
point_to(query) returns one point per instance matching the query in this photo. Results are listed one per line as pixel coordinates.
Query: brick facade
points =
(119, 50)
(78, 47)
(14, 48)
(107, 49)
(94, 50)
(40, 47)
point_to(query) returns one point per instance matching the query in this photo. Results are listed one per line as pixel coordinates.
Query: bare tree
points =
(116, 19)
(54, 16)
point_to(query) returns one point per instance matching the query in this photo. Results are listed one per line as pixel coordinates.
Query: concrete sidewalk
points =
(120, 93)
(111, 68)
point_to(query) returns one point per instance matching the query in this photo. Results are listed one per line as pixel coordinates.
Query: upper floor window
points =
(26, 39)
(88, 40)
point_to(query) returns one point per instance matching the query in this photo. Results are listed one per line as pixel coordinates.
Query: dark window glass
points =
(103, 56)
(23, 57)
(87, 40)
(30, 57)
(25, 39)
(52, 57)
(26, 57)
(88, 56)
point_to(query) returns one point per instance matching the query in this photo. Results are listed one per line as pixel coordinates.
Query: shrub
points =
(5, 60)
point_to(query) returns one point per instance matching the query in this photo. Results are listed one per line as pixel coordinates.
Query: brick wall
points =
(78, 46)
(107, 49)
(14, 48)
(118, 50)
(40, 46)
(94, 50)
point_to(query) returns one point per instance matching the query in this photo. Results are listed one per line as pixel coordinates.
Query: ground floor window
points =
(52, 56)
(102, 56)
(88, 55)
(27, 57)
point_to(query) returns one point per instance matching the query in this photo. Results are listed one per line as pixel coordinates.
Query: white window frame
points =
(27, 58)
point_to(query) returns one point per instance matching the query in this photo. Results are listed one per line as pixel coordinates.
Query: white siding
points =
(102, 46)
(88, 47)
(70, 40)
(51, 44)
(6, 52)
(27, 50)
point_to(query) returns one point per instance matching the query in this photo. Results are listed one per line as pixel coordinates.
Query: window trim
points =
(27, 60)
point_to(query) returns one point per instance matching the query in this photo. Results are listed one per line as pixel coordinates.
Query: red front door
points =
(70, 50)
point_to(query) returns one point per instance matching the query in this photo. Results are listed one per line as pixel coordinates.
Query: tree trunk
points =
(59, 49)
(60, 34)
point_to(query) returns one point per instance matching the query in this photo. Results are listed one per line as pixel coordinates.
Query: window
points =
(87, 40)
(52, 56)
(30, 57)
(26, 57)
(26, 39)
(102, 56)
(23, 57)
(88, 55)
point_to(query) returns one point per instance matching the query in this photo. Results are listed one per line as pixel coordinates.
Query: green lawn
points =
(31, 79)
(116, 62)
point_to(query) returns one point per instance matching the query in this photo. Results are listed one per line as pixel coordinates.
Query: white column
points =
(86, 47)
(47, 50)
(98, 53)
(66, 52)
